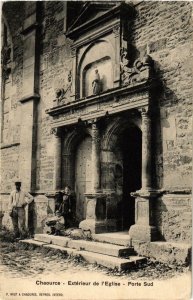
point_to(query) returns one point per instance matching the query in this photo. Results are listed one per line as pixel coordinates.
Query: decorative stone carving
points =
(55, 131)
(141, 70)
(63, 93)
(116, 30)
(5, 60)
(95, 134)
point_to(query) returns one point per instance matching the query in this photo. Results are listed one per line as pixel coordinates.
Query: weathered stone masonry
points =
(43, 53)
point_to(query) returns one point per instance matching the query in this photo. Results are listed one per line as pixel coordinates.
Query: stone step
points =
(112, 262)
(51, 239)
(64, 250)
(32, 242)
(101, 248)
(97, 247)
(117, 238)
(91, 257)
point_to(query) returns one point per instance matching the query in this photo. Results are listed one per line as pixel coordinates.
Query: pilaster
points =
(117, 46)
(29, 99)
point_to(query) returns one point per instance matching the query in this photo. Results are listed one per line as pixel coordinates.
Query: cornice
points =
(116, 94)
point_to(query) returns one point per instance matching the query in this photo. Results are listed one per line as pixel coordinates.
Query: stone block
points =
(116, 238)
(110, 261)
(166, 252)
(40, 215)
(60, 240)
(103, 248)
(143, 233)
(45, 238)
(6, 221)
(32, 242)
(68, 251)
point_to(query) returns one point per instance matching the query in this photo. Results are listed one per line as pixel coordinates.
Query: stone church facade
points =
(98, 96)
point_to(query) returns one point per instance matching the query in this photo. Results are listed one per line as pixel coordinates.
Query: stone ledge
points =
(29, 97)
(3, 146)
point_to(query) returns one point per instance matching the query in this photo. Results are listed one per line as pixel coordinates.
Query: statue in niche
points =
(96, 84)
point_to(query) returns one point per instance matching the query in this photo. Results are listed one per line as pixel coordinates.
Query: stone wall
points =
(173, 217)
(9, 167)
(55, 64)
(11, 93)
(164, 30)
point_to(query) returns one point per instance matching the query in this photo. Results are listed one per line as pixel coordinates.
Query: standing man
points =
(18, 201)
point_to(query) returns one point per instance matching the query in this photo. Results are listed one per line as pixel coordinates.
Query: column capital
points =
(144, 111)
(73, 51)
(93, 121)
(95, 133)
(56, 131)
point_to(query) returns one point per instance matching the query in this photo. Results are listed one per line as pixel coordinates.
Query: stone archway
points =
(75, 166)
(122, 146)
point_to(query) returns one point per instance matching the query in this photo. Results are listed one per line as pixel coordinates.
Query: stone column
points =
(95, 200)
(57, 158)
(144, 229)
(95, 158)
(146, 150)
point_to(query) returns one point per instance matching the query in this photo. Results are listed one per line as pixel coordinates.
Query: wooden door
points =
(83, 175)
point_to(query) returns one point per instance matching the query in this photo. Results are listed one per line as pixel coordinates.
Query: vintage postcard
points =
(96, 150)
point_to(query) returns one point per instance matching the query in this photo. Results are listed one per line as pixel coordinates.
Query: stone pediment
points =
(94, 13)
(89, 12)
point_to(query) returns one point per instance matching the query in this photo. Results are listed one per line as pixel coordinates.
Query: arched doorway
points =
(83, 176)
(129, 145)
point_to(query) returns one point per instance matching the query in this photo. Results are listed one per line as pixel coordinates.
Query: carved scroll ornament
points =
(140, 72)
(63, 93)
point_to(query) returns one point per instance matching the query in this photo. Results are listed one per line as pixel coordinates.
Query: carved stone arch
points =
(71, 141)
(87, 49)
(73, 138)
(115, 128)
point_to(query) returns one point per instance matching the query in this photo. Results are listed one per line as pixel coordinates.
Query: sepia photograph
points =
(96, 150)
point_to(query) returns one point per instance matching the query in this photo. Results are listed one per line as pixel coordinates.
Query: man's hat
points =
(17, 182)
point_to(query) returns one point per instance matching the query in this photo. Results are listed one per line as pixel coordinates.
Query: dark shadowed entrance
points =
(130, 145)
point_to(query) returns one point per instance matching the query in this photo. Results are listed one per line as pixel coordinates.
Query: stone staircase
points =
(110, 250)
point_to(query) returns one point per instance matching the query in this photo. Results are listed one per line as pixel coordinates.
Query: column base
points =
(144, 233)
(95, 226)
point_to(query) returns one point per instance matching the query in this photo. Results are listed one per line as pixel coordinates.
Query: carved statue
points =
(139, 72)
(61, 93)
(96, 84)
